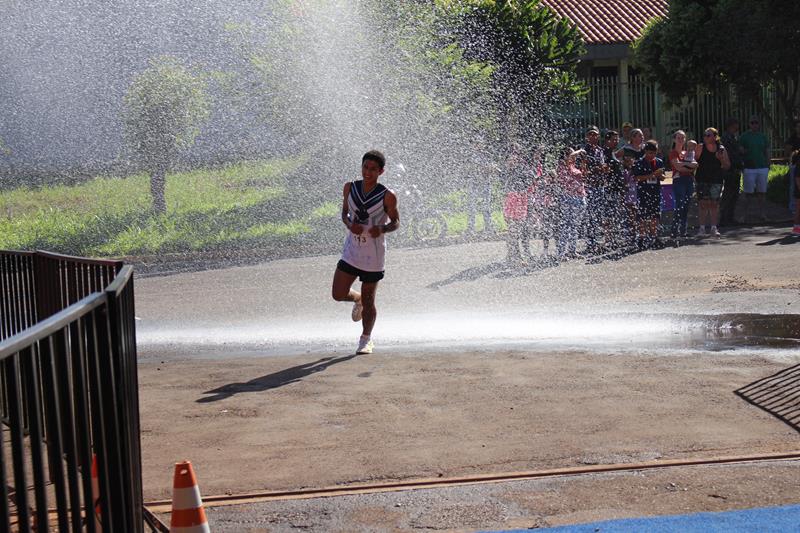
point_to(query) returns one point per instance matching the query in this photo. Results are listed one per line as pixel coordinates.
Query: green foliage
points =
(530, 46)
(417, 78)
(778, 184)
(164, 109)
(704, 44)
(209, 209)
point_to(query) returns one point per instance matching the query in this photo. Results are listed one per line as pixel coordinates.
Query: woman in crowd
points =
(635, 148)
(518, 182)
(682, 183)
(572, 200)
(712, 162)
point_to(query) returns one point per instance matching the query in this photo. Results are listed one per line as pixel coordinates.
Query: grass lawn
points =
(111, 217)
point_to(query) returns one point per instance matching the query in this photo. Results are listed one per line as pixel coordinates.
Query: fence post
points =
(624, 94)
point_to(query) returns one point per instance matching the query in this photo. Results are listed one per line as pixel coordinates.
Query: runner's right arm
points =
(354, 227)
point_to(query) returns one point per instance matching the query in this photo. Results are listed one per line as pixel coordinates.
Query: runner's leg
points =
(341, 291)
(370, 313)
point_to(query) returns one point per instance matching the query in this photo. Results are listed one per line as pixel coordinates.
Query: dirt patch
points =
(382, 417)
(735, 283)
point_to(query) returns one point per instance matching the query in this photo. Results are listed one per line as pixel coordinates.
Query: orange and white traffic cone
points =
(188, 515)
(98, 526)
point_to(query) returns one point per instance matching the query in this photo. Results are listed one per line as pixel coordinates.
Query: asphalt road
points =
(465, 294)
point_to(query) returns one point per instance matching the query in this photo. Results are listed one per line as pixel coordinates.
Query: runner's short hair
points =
(611, 133)
(375, 155)
(651, 146)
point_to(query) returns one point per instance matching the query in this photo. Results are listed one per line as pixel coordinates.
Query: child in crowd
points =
(515, 207)
(688, 157)
(571, 200)
(649, 172)
(631, 200)
(544, 209)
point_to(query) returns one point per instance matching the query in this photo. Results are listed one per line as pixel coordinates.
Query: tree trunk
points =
(158, 181)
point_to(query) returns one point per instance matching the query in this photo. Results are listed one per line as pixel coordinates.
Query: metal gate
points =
(68, 395)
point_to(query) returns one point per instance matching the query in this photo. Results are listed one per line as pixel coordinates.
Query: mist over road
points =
(464, 294)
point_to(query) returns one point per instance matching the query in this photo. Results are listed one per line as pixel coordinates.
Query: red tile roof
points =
(609, 21)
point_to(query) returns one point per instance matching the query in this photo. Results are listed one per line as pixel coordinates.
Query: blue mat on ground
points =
(762, 520)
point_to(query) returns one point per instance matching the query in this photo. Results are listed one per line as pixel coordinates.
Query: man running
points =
(368, 210)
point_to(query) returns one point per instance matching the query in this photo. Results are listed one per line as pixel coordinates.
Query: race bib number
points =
(359, 240)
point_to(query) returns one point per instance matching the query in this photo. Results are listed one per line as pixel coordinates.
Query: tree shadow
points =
(778, 394)
(787, 239)
(274, 380)
(536, 264)
(470, 274)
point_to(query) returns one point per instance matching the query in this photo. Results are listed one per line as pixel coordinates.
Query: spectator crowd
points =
(610, 189)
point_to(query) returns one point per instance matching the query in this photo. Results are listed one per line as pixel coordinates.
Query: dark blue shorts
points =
(649, 201)
(363, 275)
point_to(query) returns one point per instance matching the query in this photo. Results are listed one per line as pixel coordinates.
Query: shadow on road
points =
(788, 239)
(274, 380)
(777, 394)
(470, 274)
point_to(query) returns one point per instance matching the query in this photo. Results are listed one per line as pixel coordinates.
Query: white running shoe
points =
(701, 231)
(715, 232)
(358, 310)
(365, 346)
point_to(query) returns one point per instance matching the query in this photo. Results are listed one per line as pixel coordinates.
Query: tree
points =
(337, 80)
(420, 79)
(164, 109)
(534, 52)
(741, 43)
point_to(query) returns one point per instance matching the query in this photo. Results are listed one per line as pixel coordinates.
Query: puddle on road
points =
(749, 330)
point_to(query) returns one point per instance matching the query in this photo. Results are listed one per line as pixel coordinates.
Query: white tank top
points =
(363, 251)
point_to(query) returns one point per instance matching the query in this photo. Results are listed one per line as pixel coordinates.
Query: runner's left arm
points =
(390, 206)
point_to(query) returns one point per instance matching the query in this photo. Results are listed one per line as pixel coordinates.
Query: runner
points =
(368, 210)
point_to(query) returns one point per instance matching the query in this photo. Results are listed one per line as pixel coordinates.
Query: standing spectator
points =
(712, 162)
(792, 145)
(733, 177)
(626, 130)
(572, 201)
(794, 176)
(595, 180)
(756, 168)
(631, 201)
(480, 181)
(545, 208)
(536, 222)
(649, 172)
(515, 206)
(635, 147)
(682, 183)
(614, 192)
(647, 133)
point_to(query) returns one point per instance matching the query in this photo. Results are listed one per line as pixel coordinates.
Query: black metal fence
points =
(68, 395)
